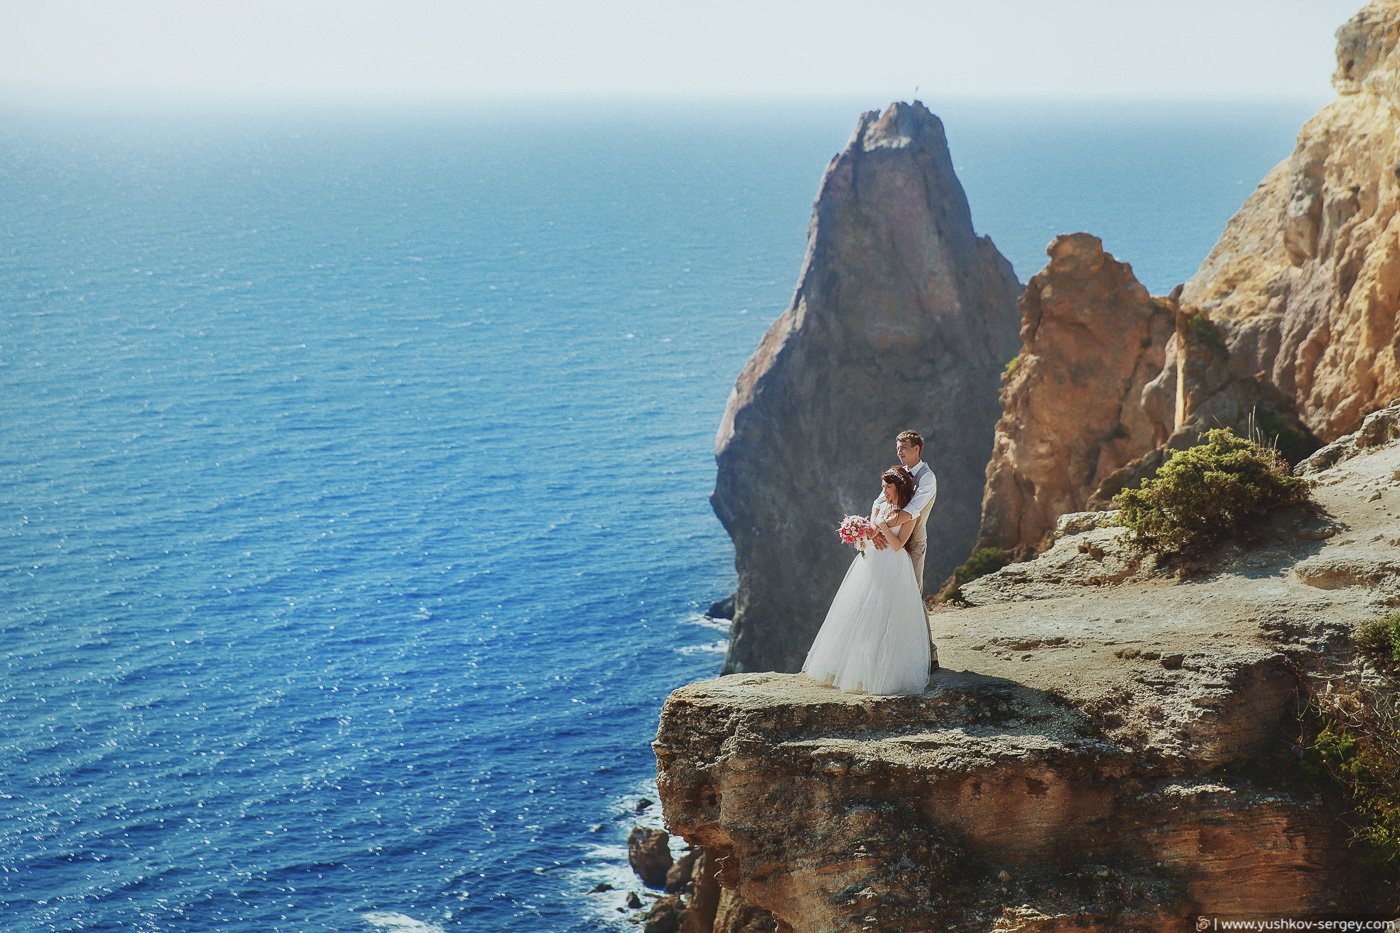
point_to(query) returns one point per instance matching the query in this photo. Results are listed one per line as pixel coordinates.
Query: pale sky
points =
(436, 50)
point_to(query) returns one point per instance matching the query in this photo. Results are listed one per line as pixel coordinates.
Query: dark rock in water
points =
(633, 901)
(601, 887)
(649, 854)
(643, 804)
(724, 609)
(679, 877)
(665, 916)
(903, 319)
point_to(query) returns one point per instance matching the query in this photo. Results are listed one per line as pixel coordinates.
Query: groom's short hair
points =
(911, 438)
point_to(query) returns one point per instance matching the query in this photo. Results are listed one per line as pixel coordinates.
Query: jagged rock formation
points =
(1305, 281)
(1379, 429)
(1290, 325)
(1074, 409)
(649, 854)
(697, 904)
(1109, 383)
(903, 318)
(1208, 395)
(1086, 759)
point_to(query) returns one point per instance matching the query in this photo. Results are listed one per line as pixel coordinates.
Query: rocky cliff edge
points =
(1092, 758)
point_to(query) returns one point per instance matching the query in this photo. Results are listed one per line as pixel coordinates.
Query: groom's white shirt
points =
(919, 507)
(925, 490)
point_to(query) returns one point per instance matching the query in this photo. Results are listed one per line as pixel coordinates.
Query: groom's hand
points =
(879, 541)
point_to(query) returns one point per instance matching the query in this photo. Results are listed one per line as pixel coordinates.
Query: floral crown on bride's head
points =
(903, 482)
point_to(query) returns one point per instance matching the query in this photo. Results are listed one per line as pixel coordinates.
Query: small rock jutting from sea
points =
(903, 318)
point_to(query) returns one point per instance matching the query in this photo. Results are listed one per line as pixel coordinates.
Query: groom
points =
(909, 447)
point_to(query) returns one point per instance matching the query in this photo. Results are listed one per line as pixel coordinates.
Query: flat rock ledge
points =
(980, 799)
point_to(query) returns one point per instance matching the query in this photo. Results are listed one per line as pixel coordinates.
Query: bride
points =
(875, 637)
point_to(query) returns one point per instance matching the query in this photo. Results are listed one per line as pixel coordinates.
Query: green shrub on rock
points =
(1352, 737)
(1205, 331)
(1207, 492)
(988, 560)
(1379, 639)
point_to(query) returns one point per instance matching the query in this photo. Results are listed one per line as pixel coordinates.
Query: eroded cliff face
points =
(1093, 756)
(1305, 280)
(1109, 383)
(903, 319)
(1075, 406)
(1289, 327)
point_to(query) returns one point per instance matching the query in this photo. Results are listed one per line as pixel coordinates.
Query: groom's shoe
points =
(933, 660)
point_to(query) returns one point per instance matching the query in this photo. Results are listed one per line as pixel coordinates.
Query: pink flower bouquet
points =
(856, 530)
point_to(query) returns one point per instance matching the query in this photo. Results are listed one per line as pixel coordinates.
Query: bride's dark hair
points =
(903, 484)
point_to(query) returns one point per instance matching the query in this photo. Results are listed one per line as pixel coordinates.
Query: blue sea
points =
(354, 472)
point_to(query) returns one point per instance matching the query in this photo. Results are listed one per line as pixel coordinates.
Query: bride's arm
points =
(898, 531)
(879, 538)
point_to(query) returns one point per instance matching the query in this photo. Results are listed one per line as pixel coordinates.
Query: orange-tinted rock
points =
(837, 812)
(1109, 384)
(1079, 401)
(1305, 280)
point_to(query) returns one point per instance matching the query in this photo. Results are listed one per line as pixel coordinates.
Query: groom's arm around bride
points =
(909, 447)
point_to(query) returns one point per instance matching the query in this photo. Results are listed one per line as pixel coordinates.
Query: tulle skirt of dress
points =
(875, 638)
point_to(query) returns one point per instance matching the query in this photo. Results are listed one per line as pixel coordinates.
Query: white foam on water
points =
(609, 908)
(714, 647)
(704, 621)
(395, 922)
(719, 626)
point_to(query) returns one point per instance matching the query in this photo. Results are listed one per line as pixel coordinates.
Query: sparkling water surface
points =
(354, 476)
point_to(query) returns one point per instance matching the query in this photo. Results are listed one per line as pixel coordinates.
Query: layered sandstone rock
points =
(1289, 327)
(903, 318)
(1109, 383)
(1075, 405)
(1090, 758)
(1305, 281)
(1208, 394)
(843, 813)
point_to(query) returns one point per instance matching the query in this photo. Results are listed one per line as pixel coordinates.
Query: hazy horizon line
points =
(75, 102)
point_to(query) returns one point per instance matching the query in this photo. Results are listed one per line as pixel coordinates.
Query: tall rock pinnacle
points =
(1076, 409)
(903, 319)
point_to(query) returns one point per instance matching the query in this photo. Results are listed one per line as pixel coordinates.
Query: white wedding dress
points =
(875, 638)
